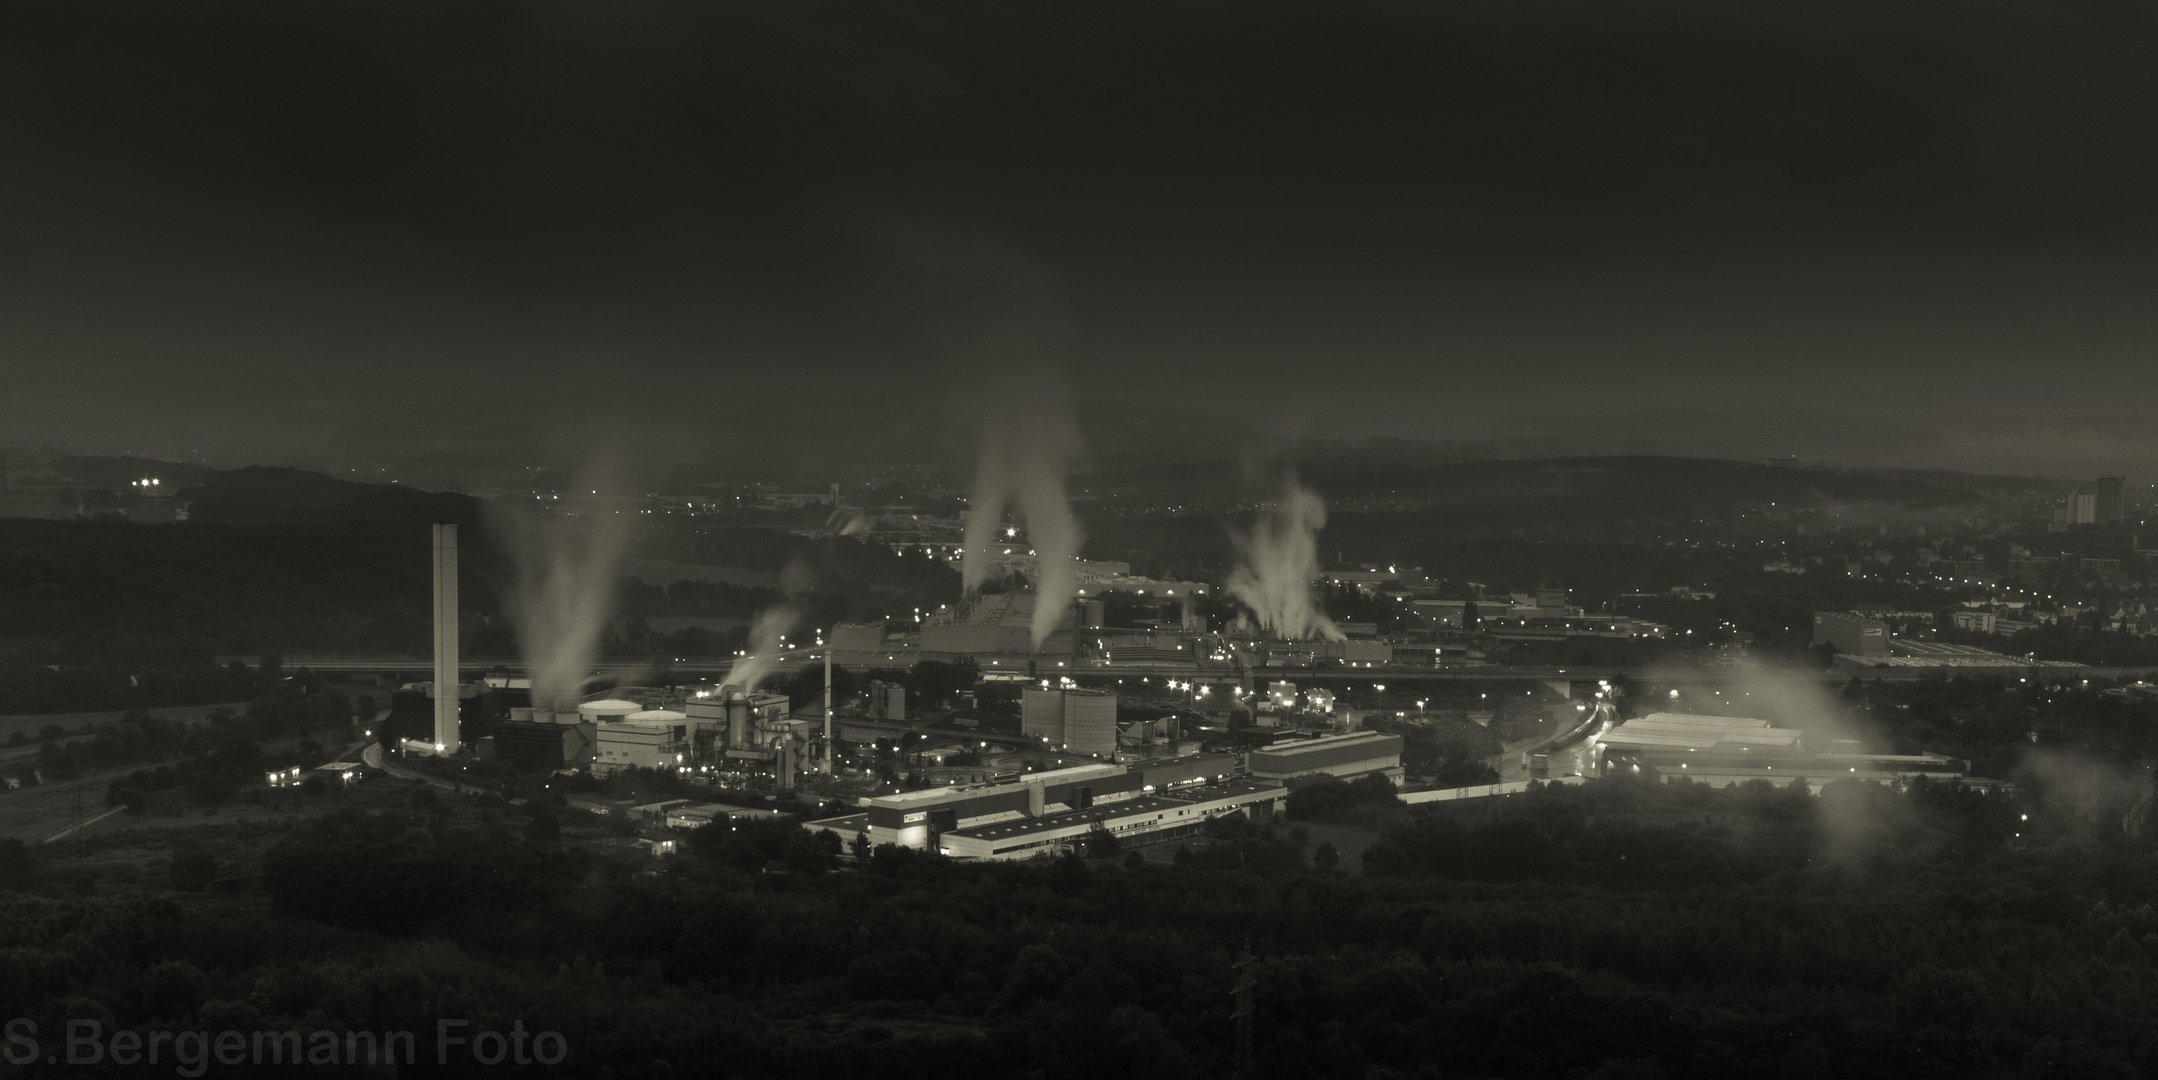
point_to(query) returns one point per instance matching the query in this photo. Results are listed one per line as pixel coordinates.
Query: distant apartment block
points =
(2110, 505)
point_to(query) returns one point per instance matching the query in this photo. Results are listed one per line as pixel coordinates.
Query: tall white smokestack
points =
(446, 637)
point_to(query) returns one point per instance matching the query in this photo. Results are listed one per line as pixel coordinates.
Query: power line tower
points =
(78, 819)
(1246, 980)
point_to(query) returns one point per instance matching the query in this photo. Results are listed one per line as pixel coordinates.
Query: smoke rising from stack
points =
(996, 317)
(569, 569)
(765, 630)
(1004, 316)
(1026, 448)
(1276, 562)
(750, 671)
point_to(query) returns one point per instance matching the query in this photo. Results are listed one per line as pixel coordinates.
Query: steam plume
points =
(769, 626)
(764, 646)
(1001, 316)
(1277, 561)
(569, 566)
(1025, 450)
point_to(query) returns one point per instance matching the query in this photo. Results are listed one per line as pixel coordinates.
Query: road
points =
(1663, 674)
(83, 824)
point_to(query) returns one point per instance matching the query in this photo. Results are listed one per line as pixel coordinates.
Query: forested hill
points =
(169, 594)
(259, 495)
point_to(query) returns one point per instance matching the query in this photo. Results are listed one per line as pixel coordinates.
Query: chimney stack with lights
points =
(446, 696)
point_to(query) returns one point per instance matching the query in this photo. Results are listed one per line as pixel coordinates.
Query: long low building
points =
(1670, 743)
(1145, 819)
(1358, 753)
(913, 818)
(1724, 750)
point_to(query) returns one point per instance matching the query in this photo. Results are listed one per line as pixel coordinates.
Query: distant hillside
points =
(259, 495)
(108, 591)
(1384, 512)
(1668, 484)
(119, 472)
(1754, 433)
(1634, 485)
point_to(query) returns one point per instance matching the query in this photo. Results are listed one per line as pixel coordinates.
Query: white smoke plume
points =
(999, 317)
(768, 627)
(569, 568)
(1026, 448)
(1277, 561)
(764, 646)
(847, 521)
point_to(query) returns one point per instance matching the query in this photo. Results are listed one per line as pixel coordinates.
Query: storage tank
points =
(659, 716)
(1041, 714)
(1090, 721)
(608, 710)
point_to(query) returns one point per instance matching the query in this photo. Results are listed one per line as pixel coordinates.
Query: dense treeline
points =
(348, 587)
(102, 614)
(1452, 751)
(1615, 929)
(212, 758)
(37, 688)
(831, 563)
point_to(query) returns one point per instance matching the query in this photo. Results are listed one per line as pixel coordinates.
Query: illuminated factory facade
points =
(1341, 757)
(1042, 812)
(1080, 721)
(1724, 750)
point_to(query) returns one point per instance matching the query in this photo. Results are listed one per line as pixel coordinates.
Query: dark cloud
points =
(215, 214)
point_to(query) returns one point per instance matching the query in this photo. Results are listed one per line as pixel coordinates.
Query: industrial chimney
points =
(446, 688)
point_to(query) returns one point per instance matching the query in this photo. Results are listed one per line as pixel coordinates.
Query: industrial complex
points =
(1078, 771)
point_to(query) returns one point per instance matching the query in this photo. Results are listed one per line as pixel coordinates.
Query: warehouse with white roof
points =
(1723, 750)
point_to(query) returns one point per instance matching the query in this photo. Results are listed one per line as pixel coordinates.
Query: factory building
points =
(1724, 750)
(858, 637)
(995, 624)
(537, 747)
(887, 701)
(695, 816)
(1357, 753)
(733, 720)
(1081, 721)
(913, 818)
(607, 710)
(1145, 819)
(412, 719)
(1852, 635)
(1281, 695)
(1714, 748)
(633, 745)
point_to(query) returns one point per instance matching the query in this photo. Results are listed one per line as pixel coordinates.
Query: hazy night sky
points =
(256, 229)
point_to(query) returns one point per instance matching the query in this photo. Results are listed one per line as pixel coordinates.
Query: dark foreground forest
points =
(1616, 929)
